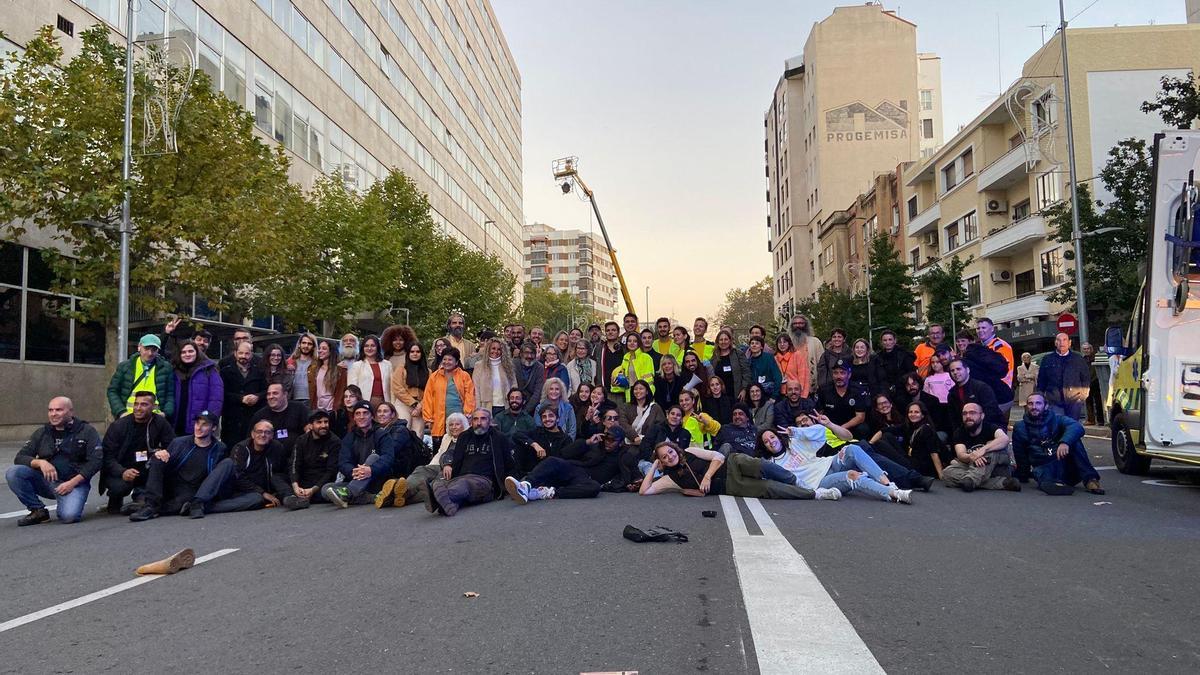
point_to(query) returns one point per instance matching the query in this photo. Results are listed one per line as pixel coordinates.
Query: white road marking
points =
(796, 625)
(23, 512)
(1098, 438)
(1168, 482)
(92, 597)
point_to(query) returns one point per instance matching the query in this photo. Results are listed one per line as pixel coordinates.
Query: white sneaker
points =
(541, 493)
(518, 490)
(828, 494)
(902, 496)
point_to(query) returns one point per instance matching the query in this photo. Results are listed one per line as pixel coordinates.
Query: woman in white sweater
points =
(372, 373)
(494, 376)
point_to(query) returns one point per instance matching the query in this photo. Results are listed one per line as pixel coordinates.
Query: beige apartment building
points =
(845, 235)
(574, 262)
(843, 111)
(982, 195)
(351, 88)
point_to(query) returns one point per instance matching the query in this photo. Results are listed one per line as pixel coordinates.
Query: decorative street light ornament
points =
(168, 65)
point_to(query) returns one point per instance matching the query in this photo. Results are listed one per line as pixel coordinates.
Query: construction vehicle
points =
(567, 174)
(1155, 408)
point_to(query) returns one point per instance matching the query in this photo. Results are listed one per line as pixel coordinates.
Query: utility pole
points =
(1076, 235)
(126, 170)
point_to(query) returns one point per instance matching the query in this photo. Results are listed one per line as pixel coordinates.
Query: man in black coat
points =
(479, 462)
(129, 443)
(245, 392)
(894, 363)
(967, 390)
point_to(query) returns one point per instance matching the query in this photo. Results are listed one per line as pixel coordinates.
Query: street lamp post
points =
(126, 170)
(647, 304)
(1076, 235)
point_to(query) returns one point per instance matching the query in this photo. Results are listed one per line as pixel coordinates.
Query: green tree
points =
(745, 307)
(836, 308)
(1178, 103)
(552, 310)
(208, 219)
(944, 285)
(1112, 260)
(892, 291)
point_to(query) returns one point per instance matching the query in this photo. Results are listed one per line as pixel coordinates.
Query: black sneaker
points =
(144, 513)
(968, 485)
(925, 483)
(193, 510)
(35, 516)
(1011, 484)
(294, 503)
(132, 508)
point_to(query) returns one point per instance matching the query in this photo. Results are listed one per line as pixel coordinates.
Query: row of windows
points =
(962, 231)
(288, 117)
(1052, 273)
(32, 327)
(315, 45)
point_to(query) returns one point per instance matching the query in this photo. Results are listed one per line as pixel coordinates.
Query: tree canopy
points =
(892, 291)
(552, 310)
(944, 285)
(746, 307)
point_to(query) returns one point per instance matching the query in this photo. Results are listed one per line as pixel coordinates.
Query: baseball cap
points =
(616, 433)
(361, 405)
(317, 414)
(207, 416)
(150, 340)
(841, 363)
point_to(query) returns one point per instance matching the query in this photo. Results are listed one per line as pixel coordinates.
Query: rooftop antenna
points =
(1042, 26)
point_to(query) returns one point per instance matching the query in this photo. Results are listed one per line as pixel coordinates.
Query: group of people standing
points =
(614, 408)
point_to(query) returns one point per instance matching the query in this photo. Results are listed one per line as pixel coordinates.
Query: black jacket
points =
(666, 392)
(552, 441)
(741, 439)
(125, 438)
(990, 368)
(358, 446)
(503, 463)
(893, 366)
(80, 451)
(252, 470)
(975, 392)
(314, 461)
(235, 415)
(663, 432)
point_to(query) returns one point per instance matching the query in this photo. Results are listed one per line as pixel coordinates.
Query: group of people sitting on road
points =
(375, 421)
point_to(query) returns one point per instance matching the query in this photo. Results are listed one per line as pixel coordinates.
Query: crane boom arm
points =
(612, 253)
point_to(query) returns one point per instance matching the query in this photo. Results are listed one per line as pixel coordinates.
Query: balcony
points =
(929, 263)
(1019, 236)
(1010, 169)
(1012, 309)
(925, 220)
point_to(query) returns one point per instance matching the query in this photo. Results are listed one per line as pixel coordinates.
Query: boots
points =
(180, 561)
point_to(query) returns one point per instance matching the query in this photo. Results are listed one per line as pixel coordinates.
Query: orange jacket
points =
(923, 352)
(1004, 349)
(433, 403)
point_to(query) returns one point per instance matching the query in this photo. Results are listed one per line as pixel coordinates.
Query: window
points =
(918, 308)
(967, 161)
(147, 20)
(853, 245)
(1020, 211)
(970, 227)
(912, 207)
(32, 317)
(1047, 190)
(949, 177)
(952, 241)
(973, 295)
(959, 170)
(1043, 112)
(827, 255)
(914, 257)
(927, 129)
(1052, 268)
(927, 101)
(1023, 283)
(895, 220)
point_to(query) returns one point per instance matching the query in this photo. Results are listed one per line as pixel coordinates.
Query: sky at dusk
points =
(663, 103)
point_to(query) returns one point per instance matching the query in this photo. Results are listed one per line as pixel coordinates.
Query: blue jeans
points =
(28, 484)
(775, 472)
(854, 458)
(1070, 470)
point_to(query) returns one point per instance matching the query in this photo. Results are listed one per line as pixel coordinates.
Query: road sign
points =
(1067, 324)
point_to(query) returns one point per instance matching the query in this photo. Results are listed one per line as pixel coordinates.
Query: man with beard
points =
(240, 482)
(313, 464)
(513, 421)
(629, 323)
(456, 328)
(980, 454)
(176, 473)
(803, 340)
(1049, 446)
(547, 440)
(594, 335)
(57, 462)
(894, 363)
(128, 444)
(967, 390)
(536, 336)
(662, 338)
(608, 353)
(835, 350)
(479, 463)
(531, 375)
(791, 406)
(840, 404)
(740, 435)
(240, 335)
(303, 356)
(516, 337)
(289, 419)
(171, 340)
(245, 387)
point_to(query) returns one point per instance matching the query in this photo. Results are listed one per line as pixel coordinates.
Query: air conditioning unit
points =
(1002, 276)
(931, 239)
(997, 206)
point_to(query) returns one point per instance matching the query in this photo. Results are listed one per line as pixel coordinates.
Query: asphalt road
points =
(981, 582)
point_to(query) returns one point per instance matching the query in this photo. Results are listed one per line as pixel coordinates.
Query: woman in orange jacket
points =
(449, 390)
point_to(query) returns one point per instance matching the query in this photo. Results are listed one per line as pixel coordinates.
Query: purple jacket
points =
(206, 392)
